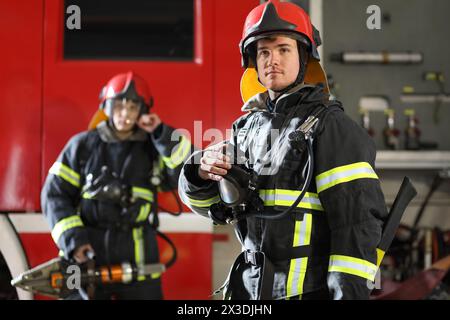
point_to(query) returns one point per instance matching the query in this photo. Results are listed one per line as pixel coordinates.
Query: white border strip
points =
(12, 251)
(316, 14)
(187, 222)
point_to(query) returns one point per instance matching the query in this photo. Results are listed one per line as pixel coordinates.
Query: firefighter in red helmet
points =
(100, 195)
(297, 177)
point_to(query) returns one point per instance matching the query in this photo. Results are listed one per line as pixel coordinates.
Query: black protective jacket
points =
(118, 232)
(326, 247)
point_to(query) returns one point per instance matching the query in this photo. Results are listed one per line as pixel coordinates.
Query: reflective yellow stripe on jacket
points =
(64, 172)
(138, 192)
(142, 193)
(354, 266)
(143, 212)
(64, 225)
(139, 249)
(350, 172)
(283, 197)
(298, 266)
(139, 242)
(206, 203)
(180, 154)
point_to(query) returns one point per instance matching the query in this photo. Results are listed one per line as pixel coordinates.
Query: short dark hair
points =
(252, 48)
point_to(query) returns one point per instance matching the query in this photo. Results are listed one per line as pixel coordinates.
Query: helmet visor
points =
(123, 104)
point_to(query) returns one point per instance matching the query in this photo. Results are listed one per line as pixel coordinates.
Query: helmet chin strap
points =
(301, 73)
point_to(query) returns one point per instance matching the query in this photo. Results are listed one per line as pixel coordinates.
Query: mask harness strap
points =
(304, 134)
(302, 139)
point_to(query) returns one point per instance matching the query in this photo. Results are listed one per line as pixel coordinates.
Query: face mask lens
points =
(229, 192)
(132, 106)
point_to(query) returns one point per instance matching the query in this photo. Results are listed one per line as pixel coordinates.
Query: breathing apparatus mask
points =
(238, 193)
(108, 187)
(238, 190)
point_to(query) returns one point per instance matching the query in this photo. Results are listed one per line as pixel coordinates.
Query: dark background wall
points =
(415, 25)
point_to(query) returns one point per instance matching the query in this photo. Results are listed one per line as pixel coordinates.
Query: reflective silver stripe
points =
(296, 277)
(177, 157)
(302, 235)
(297, 268)
(64, 225)
(347, 173)
(61, 170)
(284, 197)
(201, 203)
(354, 266)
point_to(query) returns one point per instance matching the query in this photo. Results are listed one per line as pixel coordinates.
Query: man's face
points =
(278, 62)
(125, 114)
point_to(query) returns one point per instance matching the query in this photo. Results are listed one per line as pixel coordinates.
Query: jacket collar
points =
(108, 135)
(259, 101)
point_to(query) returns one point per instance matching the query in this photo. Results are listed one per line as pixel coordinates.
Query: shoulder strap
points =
(329, 107)
(86, 151)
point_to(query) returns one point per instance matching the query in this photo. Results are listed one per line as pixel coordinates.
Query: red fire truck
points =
(51, 72)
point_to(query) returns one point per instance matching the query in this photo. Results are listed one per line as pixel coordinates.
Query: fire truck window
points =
(129, 30)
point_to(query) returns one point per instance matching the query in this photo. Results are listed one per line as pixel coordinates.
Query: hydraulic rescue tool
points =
(58, 278)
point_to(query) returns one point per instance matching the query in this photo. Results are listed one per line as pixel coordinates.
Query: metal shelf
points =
(413, 160)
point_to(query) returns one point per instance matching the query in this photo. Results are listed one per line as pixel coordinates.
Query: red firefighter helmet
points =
(273, 18)
(276, 17)
(127, 85)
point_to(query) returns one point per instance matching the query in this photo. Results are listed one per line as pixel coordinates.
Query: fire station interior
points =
(387, 63)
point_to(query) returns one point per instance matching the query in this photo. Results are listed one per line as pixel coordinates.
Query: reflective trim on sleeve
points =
(202, 203)
(180, 154)
(354, 266)
(142, 193)
(347, 173)
(64, 225)
(283, 197)
(61, 170)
